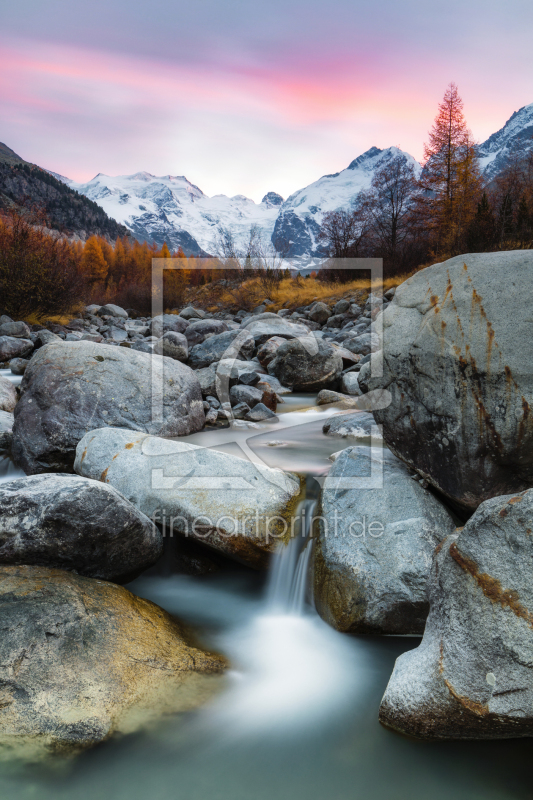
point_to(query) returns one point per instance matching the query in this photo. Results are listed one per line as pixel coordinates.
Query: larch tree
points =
(450, 180)
(93, 262)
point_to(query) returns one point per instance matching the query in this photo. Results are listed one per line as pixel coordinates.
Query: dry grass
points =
(290, 293)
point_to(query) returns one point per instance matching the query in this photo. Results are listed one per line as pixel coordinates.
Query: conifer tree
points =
(93, 262)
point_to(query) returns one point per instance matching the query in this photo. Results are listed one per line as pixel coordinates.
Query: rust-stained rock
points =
(457, 360)
(232, 505)
(82, 659)
(472, 675)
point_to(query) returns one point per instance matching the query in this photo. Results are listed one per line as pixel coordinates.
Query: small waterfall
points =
(8, 471)
(288, 581)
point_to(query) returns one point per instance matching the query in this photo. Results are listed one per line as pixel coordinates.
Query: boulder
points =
(167, 322)
(18, 365)
(230, 504)
(70, 388)
(81, 659)
(192, 313)
(326, 397)
(46, 337)
(472, 675)
(341, 306)
(260, 413)
(245, 394)
(356, 425)
(264, 329)
(11, 347)
(174, 345)
(197, 331)
(350, 384)
(363, 344)
(111, 310)
(378, 530)
(267, 352)
(76, 524)
(455, 362)
(230, 344)
(319, 312)
(306, 365)
(19, 330)
(8, 395)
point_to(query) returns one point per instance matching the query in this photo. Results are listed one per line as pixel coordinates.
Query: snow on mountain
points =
(516, 136)
(172, 209)
(298, 223)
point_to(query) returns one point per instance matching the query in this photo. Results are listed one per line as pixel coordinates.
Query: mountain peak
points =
(516, 136)
(272, 199)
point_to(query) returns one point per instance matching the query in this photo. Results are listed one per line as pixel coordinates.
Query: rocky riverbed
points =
(135, 432)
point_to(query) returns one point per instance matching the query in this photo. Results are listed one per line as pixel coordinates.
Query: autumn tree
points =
(450, 181)
(93, 262)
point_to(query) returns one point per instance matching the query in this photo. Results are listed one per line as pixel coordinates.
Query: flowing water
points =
(298, 716)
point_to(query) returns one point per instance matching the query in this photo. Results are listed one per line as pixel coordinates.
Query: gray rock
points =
(70, 388)
(326, 397)
(116, 334)
(8, 395)
(472, 675)
(375, 545)
(143, 347)
(18, 365)
(245, 394)
(17, 329)
(198, 331)
(167, 322)
(341, 306)
(350, 384)
(92, 309)
(249, 378)
(260, 413)
(456, 361)
(319, 312)
(11, 347)
(174, 345)
(267, 352)
(307, 364)
(273, 384)
(219, 499)
(264, 329)
(231, 344)
(356, 425)
(110, 310)
(241, 410)
(76, 524)
(192, 313)
(81, 659)
(45, 337)
(363, 344)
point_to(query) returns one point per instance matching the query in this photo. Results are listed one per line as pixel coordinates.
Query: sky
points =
(250, 96)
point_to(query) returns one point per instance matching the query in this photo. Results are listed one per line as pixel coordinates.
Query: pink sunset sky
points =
(247, 96)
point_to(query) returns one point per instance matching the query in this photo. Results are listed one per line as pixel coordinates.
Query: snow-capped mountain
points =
(300, 216)
(172, 209)
(516, 136)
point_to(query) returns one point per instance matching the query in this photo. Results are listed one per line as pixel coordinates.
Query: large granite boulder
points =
(306, 364)
(111, 310)
(76, 524)
(226, 502)
(230, 344)
(472, 675)
(456, 360)
(8, 395)
(378, 531)
(12, 347)
(81, 659)
(74, 387)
